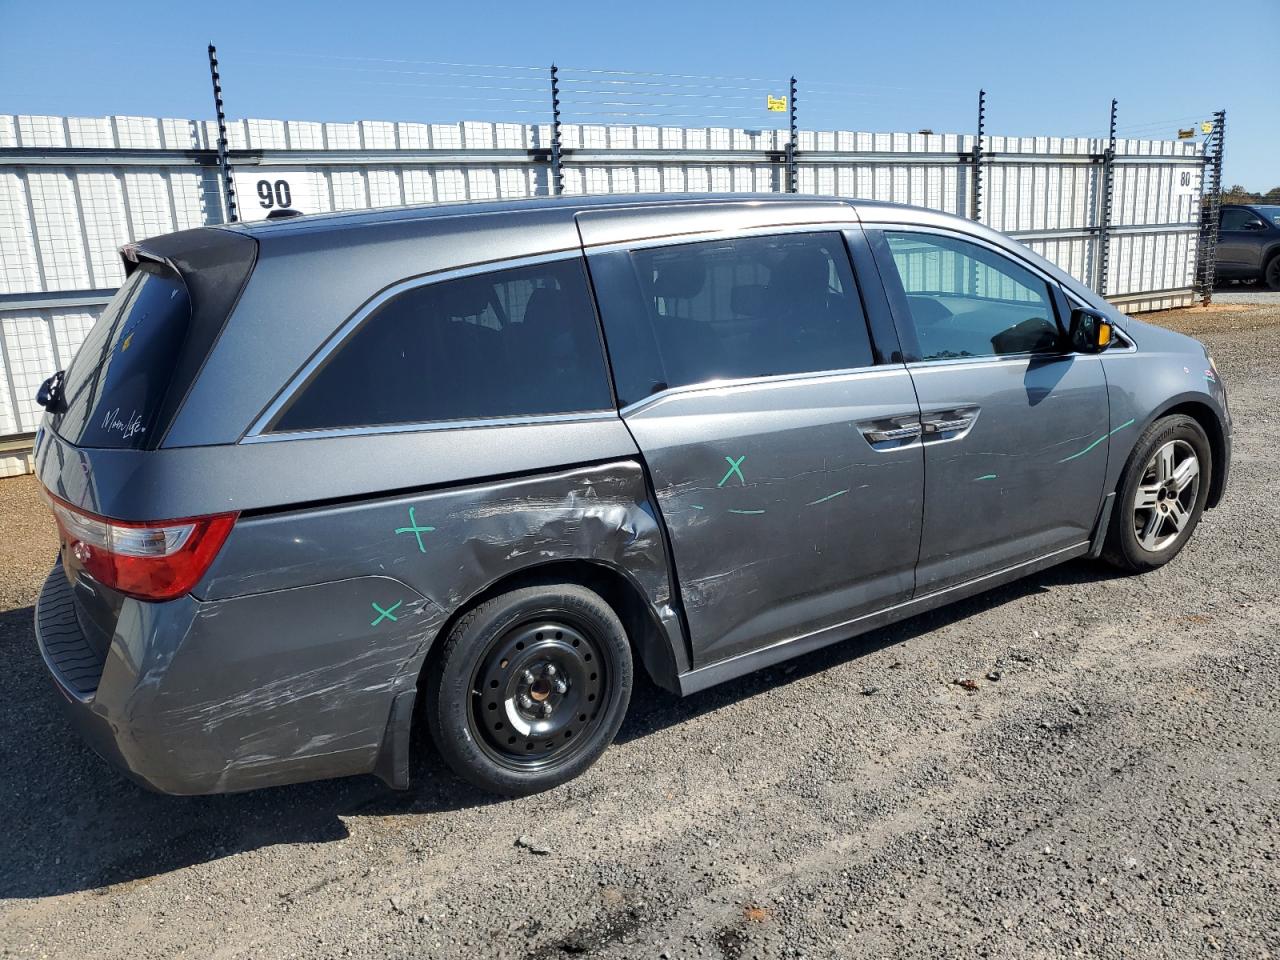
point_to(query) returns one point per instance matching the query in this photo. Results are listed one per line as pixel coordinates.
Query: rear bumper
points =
(255, 691)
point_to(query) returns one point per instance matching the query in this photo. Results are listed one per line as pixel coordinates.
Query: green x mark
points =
(387, 614)
(416, 530)
(735, 466)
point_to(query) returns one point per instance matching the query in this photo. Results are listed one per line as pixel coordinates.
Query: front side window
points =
(966, 300)
(1238, 218)
(516, 342)
(730, 309)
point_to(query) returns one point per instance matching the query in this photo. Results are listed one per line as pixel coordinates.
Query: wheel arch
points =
(1205, 415)
(1270, 254)
(649, 640)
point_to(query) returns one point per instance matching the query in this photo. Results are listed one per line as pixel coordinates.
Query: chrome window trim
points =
(734, 233)
(997, 358)
(259, 431)
(772, 381)
(433, 426)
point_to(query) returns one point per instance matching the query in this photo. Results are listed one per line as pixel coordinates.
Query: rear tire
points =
(530, 688)
(1162, 495)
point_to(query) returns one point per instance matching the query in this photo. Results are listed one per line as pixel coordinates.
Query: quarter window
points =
(968, 301)
(729, 309)
(517, 342)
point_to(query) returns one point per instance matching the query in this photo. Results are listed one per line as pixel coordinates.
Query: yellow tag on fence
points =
(776, 104)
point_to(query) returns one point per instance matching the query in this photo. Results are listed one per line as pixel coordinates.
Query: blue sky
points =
(1047, 68)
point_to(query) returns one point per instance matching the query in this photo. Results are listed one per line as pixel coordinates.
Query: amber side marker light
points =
(1104, 334)
(155, 560)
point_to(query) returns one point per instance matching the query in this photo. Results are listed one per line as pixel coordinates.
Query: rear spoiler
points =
(135, 253)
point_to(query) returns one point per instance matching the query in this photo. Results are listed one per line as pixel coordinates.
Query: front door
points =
(1239, 250)
(785, 461)
(1015, 429)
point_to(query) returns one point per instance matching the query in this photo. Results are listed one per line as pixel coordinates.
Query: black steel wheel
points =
(540, 685)
(530, 688)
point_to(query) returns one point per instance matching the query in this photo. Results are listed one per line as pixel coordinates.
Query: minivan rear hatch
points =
(116, 401)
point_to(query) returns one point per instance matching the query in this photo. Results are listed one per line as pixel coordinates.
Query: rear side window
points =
(516, 342)
(730, 309)
(968, 301)
(116, 384)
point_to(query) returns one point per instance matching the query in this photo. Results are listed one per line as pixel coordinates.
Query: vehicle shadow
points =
(74, 824)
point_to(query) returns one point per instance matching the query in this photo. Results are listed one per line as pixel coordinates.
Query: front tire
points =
(530, 688)
(1161, 496)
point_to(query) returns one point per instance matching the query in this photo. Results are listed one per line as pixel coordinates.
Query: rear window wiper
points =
(50, 395)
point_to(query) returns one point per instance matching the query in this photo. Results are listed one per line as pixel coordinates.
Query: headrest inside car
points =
(680, 279)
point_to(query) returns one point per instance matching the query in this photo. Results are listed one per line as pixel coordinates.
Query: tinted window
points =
(730, 309)
(517, 342)
(968, 301)
(115, 385)
(1234, 218)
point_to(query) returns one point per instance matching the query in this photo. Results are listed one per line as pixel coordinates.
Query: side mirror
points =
(1255, 225)
(1089, 332)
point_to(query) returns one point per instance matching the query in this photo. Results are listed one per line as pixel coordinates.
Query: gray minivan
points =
(322, 482)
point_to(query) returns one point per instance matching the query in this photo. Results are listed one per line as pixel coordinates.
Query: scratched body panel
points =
(465, 538)
(1169, 370)
(253, 691)
(450, 545)
(284, 663)
(1018, 483)
(783, 518)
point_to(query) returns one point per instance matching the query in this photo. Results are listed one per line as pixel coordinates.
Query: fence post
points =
(557, 178)
(975, 195)
(1210, 208)
(1104, 220)
(793, 180)
(224, 164)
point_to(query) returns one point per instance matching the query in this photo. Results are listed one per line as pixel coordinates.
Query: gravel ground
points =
(1240, 294)
(1109, 789)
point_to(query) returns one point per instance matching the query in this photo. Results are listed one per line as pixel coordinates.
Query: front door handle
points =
(949, 424)
(892, 433)
(946, 426)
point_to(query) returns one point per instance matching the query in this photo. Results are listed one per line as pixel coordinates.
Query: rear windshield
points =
(118, 379)
(128, 381)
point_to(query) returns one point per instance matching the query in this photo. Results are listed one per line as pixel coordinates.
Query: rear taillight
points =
(151, 561)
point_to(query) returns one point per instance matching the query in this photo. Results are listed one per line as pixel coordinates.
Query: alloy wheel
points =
(1166, 496)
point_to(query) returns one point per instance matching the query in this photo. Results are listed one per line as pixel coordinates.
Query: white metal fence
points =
(73, 189)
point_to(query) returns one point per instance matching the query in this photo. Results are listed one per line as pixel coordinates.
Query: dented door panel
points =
(783, 517)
